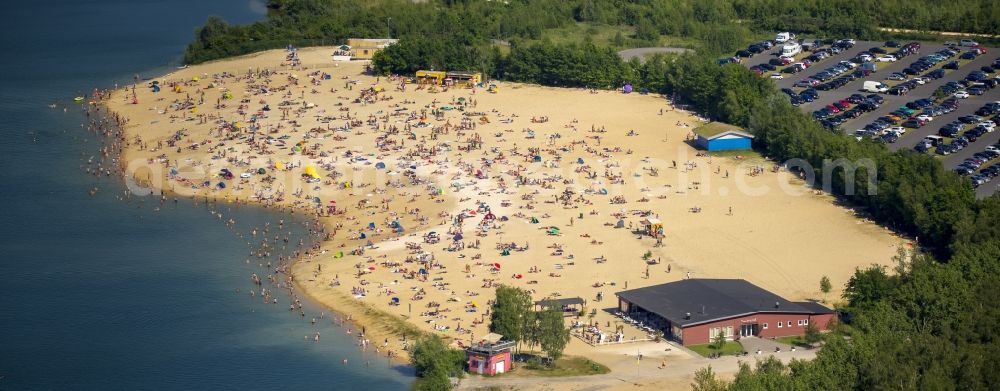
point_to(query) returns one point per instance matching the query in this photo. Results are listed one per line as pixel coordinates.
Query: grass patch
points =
(602, 35)
(731, 347)
(564, 366)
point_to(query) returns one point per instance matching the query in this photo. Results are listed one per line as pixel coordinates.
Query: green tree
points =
(705, 380)
(552, 333)
(511, 313)
(719, 341)
(812, 335)
(868, 286)
(435, 362)
(825, 286)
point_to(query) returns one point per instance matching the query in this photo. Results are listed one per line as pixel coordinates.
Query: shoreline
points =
(438, 175)
(358, 313)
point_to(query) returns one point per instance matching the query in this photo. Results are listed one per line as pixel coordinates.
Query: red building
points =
(694, 311)
(490, 356)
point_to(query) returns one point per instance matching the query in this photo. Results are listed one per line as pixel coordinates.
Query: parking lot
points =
(912, 136)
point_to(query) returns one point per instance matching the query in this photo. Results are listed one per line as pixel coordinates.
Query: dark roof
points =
(708, 300)
(566, 301)
(815, 307)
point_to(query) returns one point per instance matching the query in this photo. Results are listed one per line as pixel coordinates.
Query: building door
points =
(481, 367)
(498, 367)
(747, 330)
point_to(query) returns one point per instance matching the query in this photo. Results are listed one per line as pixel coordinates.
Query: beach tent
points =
(371, 225)
(534, 220)
(604, 191)
(505, 252)
(278, 165)
(261, 171)
(579, 160)
(156, 88)
(339, 254)
(620, 224)
(363, 236)
(538, 158)
(380, 165)
(222, 185)
(457, 237)
(553, 231)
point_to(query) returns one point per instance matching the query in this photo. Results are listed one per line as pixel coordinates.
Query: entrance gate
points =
(747, 330)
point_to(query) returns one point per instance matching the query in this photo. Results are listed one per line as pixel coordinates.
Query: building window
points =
(805, 322)
(789, 323)
(765, 326)
(779, 325)
(729, 332)
(800, 322)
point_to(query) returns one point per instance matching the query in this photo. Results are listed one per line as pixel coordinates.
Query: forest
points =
(714, 26)
(925, 324)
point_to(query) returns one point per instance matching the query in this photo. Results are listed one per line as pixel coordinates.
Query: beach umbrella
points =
(496, 265)
(222, 185)
(261, 171)
(316, 200)
(311, 171)
(380, 165)
(457, 237)
(395, 300)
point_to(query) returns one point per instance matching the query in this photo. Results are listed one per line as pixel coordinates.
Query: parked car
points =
(886, 58)
(961, 95)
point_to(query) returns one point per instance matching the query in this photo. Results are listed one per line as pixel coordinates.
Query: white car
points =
(988, 125)
(897, 130)
(921, 80)
(886, 58)
(777, 76)
(925, 117)
(993, 148)
(962, 95)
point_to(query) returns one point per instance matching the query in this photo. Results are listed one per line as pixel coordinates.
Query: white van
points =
(784, 37)
(874, 86)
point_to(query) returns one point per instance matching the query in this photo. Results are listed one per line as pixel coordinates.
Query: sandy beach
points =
(429, 197)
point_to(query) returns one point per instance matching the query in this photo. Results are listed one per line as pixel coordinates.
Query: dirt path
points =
(628, 373)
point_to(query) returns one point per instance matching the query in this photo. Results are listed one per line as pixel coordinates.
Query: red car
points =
(833, 109)
(845, 103)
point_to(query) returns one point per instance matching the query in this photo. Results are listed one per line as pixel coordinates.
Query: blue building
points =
(717, 136)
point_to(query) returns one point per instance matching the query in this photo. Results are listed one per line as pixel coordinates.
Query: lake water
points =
(104, 293)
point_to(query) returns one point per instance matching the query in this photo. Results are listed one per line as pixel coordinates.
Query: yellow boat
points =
(78, 99)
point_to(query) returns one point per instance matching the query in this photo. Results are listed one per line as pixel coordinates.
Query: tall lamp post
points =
(388, 30)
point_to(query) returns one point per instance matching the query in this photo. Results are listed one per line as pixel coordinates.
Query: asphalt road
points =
(892, 102)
